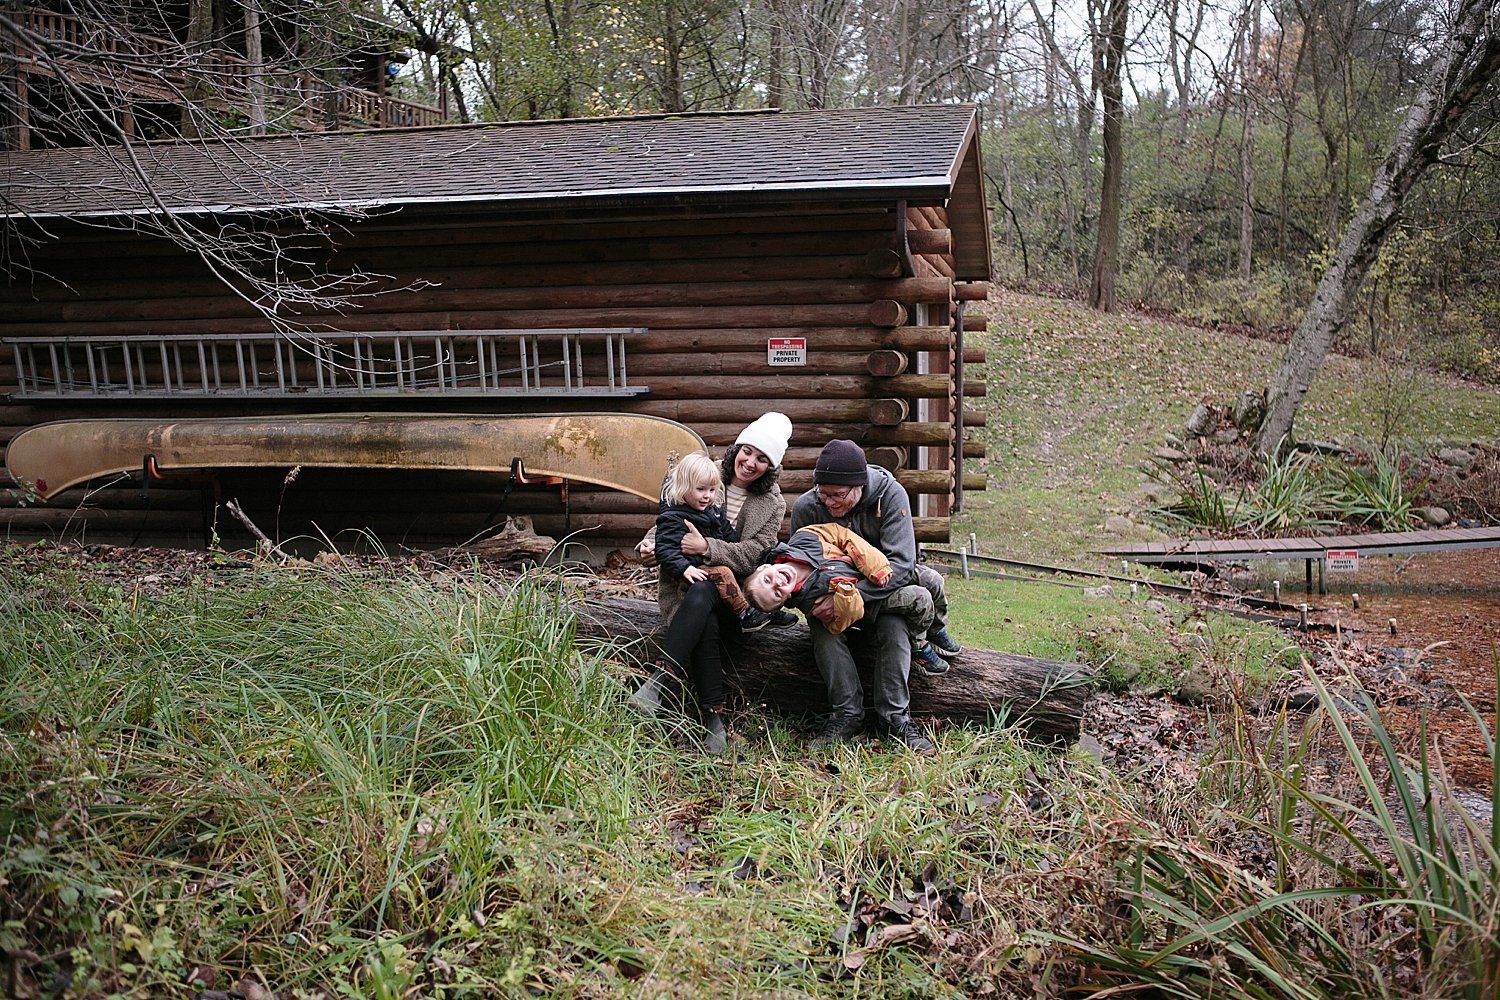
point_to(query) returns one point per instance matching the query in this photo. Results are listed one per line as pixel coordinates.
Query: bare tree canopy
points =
(1466, 63)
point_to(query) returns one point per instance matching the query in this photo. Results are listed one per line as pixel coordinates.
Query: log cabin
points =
(698, 268)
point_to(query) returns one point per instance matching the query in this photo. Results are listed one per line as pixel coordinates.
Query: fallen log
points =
(775, 667)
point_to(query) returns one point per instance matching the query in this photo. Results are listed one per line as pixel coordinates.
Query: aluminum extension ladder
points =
(561, 362)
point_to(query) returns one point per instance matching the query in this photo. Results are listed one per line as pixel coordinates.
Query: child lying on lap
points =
(830, 559)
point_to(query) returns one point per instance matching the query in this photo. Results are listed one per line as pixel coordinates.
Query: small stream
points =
(1446, 603)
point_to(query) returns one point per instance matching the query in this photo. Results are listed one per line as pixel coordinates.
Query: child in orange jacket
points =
(830, 559)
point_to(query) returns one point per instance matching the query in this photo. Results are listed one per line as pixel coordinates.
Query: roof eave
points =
(933, 190)
(968, 210)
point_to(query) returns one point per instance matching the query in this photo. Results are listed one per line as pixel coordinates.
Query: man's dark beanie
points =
(841, 463)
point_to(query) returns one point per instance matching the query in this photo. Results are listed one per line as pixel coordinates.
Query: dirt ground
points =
(1423, 630)
(1446, 608)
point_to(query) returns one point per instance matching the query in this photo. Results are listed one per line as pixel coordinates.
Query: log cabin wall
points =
(868, 284)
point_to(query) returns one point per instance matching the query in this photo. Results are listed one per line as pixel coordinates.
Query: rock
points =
(1202, 420)
(1194, 688)
(1322, 447)
(1172, 440)
(1170, 455)
(1435, 516)
(1249, 410)
(1091, 746)
(1105, 591)
(1156, 606)
(1459, 458)
(1154, 493)
(1301, 700)
(1118, 524)
(1228, 435)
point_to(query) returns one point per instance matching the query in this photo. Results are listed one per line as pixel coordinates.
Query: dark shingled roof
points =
(925, 153)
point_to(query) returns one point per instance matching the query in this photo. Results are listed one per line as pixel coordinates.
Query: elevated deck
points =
(1311, 549)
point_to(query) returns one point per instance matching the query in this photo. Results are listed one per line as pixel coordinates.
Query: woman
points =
(692, 615)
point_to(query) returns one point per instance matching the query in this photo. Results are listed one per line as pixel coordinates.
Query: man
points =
(867, 500)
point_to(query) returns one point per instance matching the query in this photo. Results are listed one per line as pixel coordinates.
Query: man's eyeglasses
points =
(834, 496)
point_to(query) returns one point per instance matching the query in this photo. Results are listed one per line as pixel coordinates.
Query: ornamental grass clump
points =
(1296, 492)
(1374, 495)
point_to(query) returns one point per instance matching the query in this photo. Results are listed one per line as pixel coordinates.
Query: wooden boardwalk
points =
(1311, 549)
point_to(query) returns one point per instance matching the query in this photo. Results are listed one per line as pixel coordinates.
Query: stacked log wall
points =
(710, 289)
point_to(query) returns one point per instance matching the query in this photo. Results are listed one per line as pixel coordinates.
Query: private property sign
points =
(786, 351)
(1342, 560)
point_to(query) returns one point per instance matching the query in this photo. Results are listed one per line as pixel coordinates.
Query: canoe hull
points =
(627, 452)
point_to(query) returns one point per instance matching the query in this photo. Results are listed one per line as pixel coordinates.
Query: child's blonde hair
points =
(756, 592)
(690, 471)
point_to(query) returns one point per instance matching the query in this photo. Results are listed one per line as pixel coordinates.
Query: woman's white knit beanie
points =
(769, 432)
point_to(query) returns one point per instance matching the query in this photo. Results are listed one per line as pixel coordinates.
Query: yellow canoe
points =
(622, 451)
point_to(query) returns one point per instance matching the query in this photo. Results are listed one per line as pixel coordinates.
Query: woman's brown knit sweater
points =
(759, 521)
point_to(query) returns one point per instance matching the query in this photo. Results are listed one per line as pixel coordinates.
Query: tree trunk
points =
(775, 667)
(1107, 246)
(199, 32)
(255, 69)
(1470, 59)
(1250, 83)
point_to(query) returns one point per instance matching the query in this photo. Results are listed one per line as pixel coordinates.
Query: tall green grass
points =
(385, 785)
(380, 784)
(276, 771)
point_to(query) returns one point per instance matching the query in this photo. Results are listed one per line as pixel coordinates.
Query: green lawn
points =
(1077, 401)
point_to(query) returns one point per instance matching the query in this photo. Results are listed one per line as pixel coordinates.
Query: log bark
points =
(883, 263)
(654, 317)
(938, 241)
(933, 265)
(826, 338)
(887, 457)
(885, 363)
(775, 667)
(935, 529)
(886, 312)
(722, 435)
(694, 412)
(782, 383)
(712, 361)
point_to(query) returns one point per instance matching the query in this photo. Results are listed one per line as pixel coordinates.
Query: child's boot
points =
(716, 734)
(943, 642)
(648, 698)
(927, 658)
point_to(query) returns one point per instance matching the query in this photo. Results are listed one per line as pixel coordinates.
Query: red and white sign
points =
(786, 351)
(1342, 560)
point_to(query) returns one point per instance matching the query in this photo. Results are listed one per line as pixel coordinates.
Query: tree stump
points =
(775, 666)
(514, 541)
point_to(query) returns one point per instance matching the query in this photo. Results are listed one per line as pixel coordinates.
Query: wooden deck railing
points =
(163, 69)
